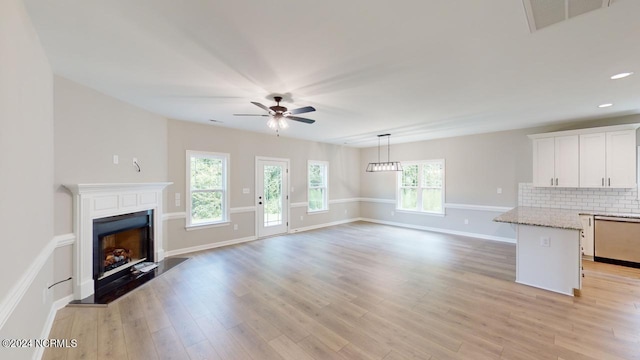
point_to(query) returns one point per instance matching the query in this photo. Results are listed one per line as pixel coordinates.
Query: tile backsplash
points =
(607, 200)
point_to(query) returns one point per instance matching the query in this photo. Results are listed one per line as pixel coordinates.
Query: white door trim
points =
(285, 193)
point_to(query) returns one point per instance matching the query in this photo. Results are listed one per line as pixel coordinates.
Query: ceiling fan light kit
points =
(279, 115)
(384, 166)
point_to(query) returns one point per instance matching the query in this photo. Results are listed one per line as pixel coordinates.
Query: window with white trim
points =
(421, 186)
(317, 186)
(207, 188)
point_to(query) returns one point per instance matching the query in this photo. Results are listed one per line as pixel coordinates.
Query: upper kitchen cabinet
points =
(608, 159)
(621, 159)
(555, 161)
(603, 157)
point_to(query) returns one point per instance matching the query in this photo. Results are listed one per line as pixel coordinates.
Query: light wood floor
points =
(359, 291)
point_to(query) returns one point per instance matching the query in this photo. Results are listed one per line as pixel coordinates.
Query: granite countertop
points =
(555, 218)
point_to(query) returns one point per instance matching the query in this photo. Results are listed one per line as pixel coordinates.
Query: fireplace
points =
(94, 203)
(119, 243)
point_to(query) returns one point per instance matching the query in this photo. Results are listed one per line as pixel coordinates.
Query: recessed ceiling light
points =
(621, 75)
(605, 105)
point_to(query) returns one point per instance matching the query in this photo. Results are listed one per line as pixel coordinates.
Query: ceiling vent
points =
(543, 13)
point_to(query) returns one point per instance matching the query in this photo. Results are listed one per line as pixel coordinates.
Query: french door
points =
(272, 196)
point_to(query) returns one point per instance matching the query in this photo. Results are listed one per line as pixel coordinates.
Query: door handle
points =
(556, 181)
(609, 181)
(551, 181)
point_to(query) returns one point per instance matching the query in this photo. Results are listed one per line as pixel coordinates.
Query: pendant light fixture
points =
(384, 166)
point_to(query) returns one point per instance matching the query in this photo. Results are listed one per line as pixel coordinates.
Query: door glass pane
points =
(272, 195)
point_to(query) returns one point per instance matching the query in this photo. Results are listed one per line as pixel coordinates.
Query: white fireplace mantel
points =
(94, 201)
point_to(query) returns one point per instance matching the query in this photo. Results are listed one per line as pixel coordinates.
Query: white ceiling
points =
(416, 69)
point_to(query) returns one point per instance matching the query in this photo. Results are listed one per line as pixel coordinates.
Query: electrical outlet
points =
(466, 221)
(499, 191)
(346, 211)
(545, 241)
(301, 217)
(235, 226)
(115, 160)
(393, 213)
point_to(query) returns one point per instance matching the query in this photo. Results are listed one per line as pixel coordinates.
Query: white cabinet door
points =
(592, 160)
(567, 164)
(586, 235)
(621, 159)
(544, 162)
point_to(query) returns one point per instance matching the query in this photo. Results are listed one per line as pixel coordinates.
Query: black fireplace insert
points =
(119, 242)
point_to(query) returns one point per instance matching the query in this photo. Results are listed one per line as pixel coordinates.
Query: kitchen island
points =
(548, 254)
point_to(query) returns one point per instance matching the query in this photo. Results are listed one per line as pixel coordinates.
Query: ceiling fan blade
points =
(250, 115)
(302, 110)
(301, 119)
(261, 106)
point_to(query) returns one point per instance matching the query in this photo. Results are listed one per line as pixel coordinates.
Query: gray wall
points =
(26, 164)
(90, 128)
(244, 147)
(476, 166)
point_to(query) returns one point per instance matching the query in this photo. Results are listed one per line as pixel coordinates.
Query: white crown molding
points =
(593, 130)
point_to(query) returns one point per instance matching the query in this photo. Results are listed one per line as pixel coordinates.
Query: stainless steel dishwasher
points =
(617, 240)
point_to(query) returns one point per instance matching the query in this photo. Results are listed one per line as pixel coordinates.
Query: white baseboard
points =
(544, 288)
(319, 226)
(444, 231)
(57, 305)
(208, 246)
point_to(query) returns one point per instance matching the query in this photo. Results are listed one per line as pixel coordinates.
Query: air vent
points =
(543, 13)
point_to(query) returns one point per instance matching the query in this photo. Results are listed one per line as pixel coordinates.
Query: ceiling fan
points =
(278, 115)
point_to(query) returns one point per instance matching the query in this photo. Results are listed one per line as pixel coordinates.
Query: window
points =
(317, 177)
(421, 186)
(207, 181)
